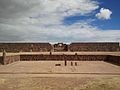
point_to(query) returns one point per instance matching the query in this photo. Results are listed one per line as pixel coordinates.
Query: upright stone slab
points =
(4, 57)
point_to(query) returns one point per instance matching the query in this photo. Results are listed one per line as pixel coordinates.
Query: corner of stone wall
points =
(9, 59)
(113, 60)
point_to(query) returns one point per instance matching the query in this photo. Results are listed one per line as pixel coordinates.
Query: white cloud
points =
(104, 14)
(41, 20)
(45, 11)
(76, 32)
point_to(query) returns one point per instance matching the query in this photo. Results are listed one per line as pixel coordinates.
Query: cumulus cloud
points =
(104, 14)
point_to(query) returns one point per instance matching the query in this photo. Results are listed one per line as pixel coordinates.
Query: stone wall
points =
(45, 47)
(1, 60)
(14, 58)
(11, 59)
(60, 47)
(25, 47)
(94, 47)
(113, 60)
(106, 58)
(63, 57)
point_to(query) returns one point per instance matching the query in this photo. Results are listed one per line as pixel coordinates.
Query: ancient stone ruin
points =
(19, 48)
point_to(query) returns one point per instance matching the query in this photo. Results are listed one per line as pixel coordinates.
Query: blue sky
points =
(60, 20)
(114, 22)
(111, 24)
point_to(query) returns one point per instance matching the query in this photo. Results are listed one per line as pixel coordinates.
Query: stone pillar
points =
(76, 56)
(68, 48)
(4, 57)
(75, 63)
(71, 63)
(50, 52)
(52, 48)
(65, 62)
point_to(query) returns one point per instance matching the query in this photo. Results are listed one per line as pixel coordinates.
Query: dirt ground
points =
(48, 67)
(45, 75)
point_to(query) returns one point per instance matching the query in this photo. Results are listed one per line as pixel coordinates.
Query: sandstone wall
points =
(63, 57)
(1, 60)
(113, 60)
(44, 47)
(25, 47)
(106, 58)
(94, 47)
(11, 59)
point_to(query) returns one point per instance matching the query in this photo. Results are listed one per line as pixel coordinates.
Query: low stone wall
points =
(106, 58)
(63, 57)
(11, 59)
(113, 60)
